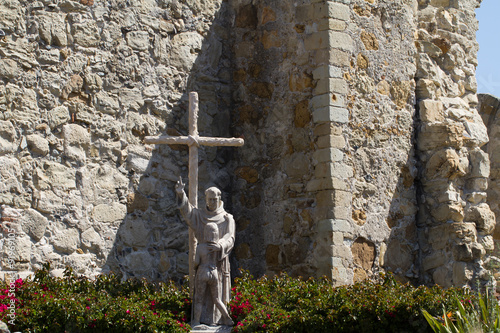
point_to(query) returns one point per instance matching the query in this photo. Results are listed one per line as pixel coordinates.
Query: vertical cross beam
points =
(193, 180)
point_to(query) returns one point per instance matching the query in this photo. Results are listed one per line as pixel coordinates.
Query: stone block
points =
(439, 3)
(142, 261)
(335, 57)
(331, 85)
(330, 9)
(480, 163)
(437, 135)
(327, 71)
(333, 141)
(34, 224)
(431, 111)
(136, 233)
(363, 253)
(332, 225)
(439, 236)
(138, 40)
(464, 232)
(332, 24)
(338, 238)
(7, 137)
(329, 39)
(185, 48)
(329, 183)
(76, 142)
(443, 277)
(8, 68)
(273, 255)
(331, 114)
(369, 40)
(340, 40)
(106, 103)
(91, 239)
(328, 155)
(477, 184)
(325, 212)
(461, 274)
(325, 100)
(398, 255)
(55, 175)
(434, 260)
(66, 241)
(333, 170)
(58, 116)
(341, 251)
(38, 144)
(444, 164)
(463, 252)
(108, 213)
(335, 198)
(477, 132)
(448, 211)
(86, 33)
(483, 217)
(327, 129)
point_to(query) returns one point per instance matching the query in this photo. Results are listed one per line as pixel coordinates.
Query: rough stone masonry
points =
(363, 140)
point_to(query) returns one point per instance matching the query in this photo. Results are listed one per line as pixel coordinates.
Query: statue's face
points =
(212, 200)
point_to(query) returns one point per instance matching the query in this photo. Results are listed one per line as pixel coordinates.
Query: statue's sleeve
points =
(227, 241)
(187, 210)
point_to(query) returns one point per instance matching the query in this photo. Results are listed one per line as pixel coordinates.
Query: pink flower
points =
(87, 307)
(128, 311)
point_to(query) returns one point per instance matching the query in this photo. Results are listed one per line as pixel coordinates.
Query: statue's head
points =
(211, 233)
(212, 198)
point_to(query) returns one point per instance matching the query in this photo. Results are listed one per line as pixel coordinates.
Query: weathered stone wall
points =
(81, 84)
(273, 84)
(380, 138)
(455, 223)
(488, 109)
(362, 141)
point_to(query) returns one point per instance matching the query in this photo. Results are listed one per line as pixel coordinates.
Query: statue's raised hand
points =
(179, 186)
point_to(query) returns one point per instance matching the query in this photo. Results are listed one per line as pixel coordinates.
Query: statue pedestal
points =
(210, 329)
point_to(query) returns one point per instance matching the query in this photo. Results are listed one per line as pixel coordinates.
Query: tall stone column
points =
(454, 221)
(330, 46)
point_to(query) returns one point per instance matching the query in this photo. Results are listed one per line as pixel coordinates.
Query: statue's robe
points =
(196, 220)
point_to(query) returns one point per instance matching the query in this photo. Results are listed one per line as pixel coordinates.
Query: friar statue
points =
(197, 219)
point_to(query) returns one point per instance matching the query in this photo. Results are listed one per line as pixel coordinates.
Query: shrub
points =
(279, 304)
(284, 304)
(77, 304)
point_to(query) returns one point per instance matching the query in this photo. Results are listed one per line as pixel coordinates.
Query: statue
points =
(207, 275)
(215, 251)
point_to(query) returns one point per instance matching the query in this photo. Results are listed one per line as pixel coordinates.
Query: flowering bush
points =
(77, 304)
(284, 304)
(279, 304)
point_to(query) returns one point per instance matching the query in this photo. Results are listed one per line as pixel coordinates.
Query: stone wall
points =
(81, 84)
(380, 139)
(454, 221)
(362, 142)
(488, 109)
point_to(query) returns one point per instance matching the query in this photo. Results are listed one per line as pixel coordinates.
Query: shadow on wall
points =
(152, 240)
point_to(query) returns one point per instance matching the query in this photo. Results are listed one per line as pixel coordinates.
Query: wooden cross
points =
(193, 141)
